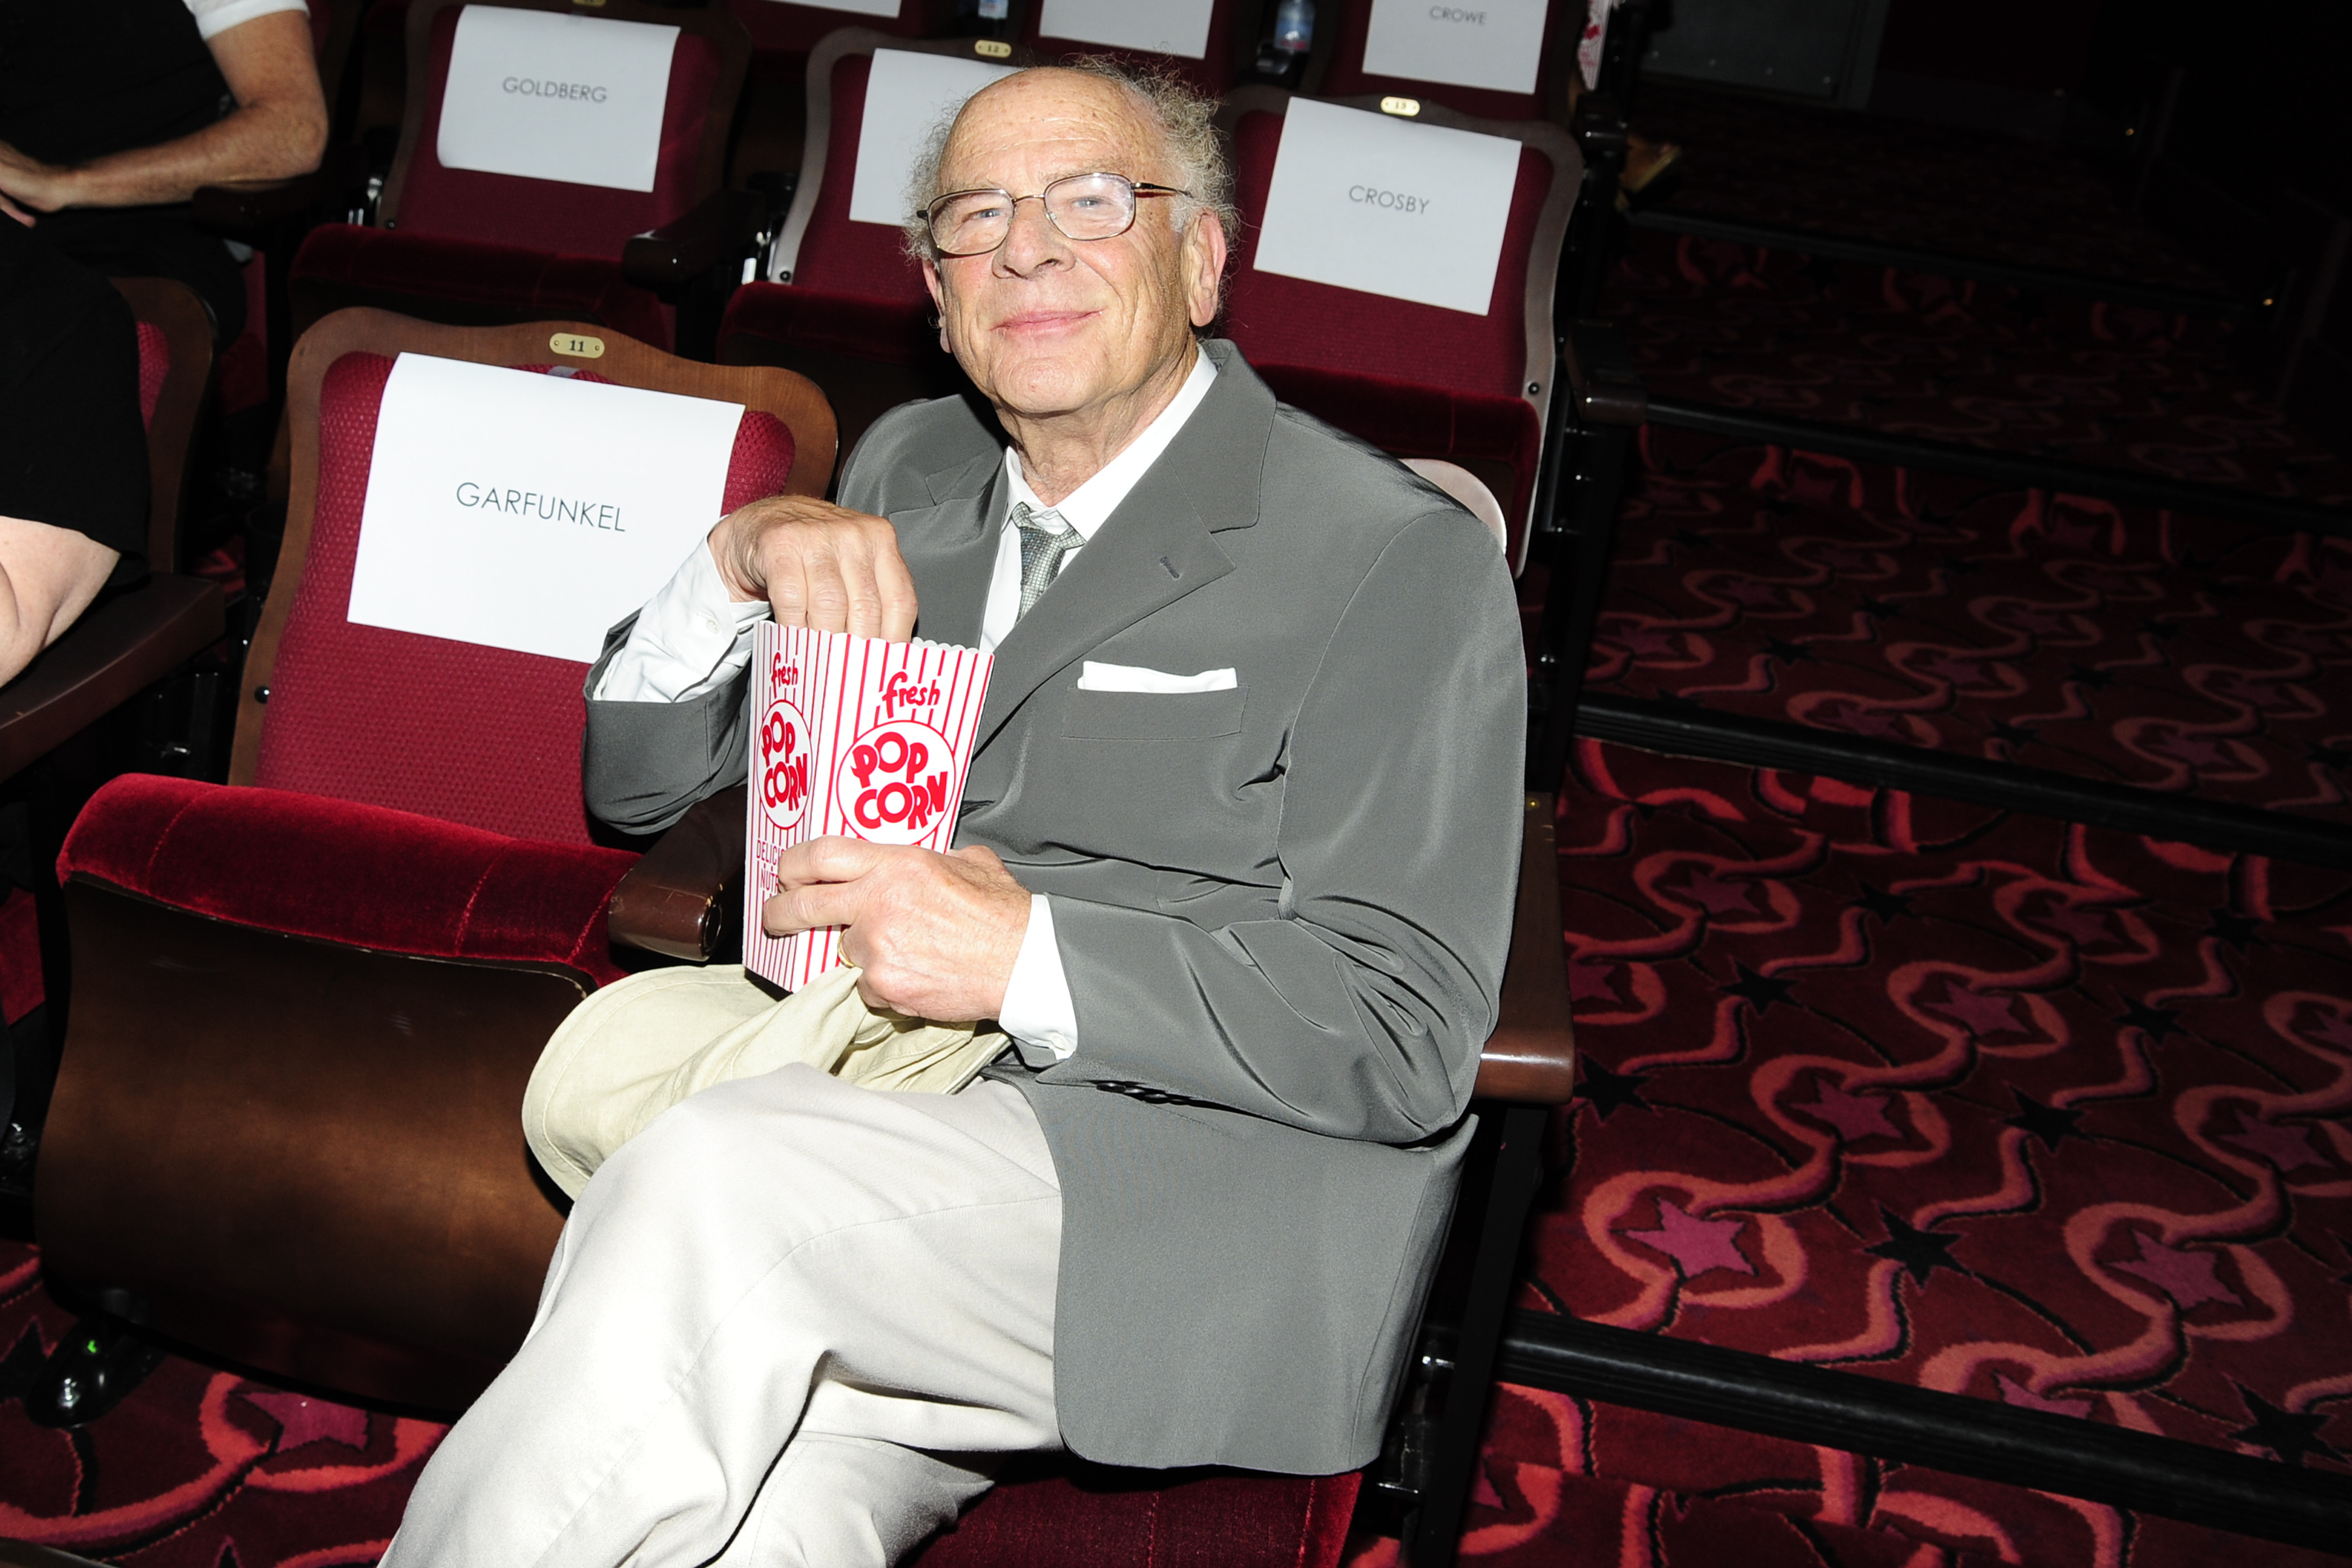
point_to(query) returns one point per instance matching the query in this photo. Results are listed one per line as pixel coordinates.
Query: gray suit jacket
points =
(1283, 909)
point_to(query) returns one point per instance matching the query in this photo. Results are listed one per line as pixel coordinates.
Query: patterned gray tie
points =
(1045, 542)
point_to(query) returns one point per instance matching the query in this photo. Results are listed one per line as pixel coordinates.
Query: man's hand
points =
(27, 186)
(936, 934)
(819, 564)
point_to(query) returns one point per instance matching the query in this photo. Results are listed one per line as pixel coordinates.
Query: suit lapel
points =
(1154, 550)
(950, 548)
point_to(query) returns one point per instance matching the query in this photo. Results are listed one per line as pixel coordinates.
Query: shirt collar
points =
(1089, 506)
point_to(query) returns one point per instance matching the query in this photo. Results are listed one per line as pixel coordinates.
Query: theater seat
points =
(846, 305)
(1225, 28)
(464, 246)
(1415, 379)
(131, 637)
(297, 985)
(1336, 69)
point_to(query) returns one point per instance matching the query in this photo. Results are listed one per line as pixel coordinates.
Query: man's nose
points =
(1031, 241)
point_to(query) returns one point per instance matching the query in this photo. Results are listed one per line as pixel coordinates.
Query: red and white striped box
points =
(853, 736)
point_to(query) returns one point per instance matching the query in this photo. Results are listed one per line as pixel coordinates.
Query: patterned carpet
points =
(2114, 642)
(1919, 355)
(1897, 181)
(1988, 1104)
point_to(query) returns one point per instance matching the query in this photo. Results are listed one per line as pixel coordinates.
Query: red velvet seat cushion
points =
(337, 871)
(479, 735)
(519, 277)
(1086, 1517)
(154, 369)
(556, 214)
(1345, 76)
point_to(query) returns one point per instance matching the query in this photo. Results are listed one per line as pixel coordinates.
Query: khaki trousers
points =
(794, 1321)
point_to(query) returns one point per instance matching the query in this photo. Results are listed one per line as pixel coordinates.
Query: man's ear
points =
(1204, 266)
(939, 301)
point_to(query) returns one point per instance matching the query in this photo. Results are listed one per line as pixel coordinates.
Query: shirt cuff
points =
(1038, 1011)
(215, 18)
(690, 638)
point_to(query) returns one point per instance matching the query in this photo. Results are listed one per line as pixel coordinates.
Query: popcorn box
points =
(853, 736)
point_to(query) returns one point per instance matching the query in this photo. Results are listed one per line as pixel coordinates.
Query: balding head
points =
(1052, 328)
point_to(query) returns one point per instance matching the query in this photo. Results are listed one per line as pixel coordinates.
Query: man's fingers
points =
(897, 586)
(809, 907)
(828, 859)
(827, 601)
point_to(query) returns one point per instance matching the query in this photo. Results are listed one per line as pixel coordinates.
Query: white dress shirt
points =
(692, 638)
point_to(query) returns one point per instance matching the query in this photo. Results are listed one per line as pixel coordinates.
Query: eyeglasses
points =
(1082, 206)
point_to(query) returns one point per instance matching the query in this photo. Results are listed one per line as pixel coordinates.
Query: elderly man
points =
(1237, 851)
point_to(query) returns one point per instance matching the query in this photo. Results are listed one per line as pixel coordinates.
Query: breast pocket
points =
(1152, 715)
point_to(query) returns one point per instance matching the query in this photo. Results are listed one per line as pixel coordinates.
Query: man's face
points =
(1046, 325)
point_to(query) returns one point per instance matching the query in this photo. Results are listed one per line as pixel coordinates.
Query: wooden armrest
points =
(251, 204)
(686, 248)
(1531, 1058)
(1601, 374)
(118, 646)
(673, 900)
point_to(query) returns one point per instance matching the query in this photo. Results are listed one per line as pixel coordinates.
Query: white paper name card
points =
(1389, 206)
(1178, 27)
(1492, 43)
(550, 97)
(905, 95)
(863, 7)
(529, 512)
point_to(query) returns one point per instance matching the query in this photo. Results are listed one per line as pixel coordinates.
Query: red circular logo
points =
(892, 784)
(784, 773)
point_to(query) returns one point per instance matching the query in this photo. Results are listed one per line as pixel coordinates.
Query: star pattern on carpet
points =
(1786, 652)
(1921, 1252)
(2328, 756)
(2015, 1392)
(1977, 1012)
(302, 1421)
(2183, 747)
(1854, 1116)
(1761, 990)
(1885, 905)
(1697, 1246)
(2188, 1275)
(2051, 1124)
(2015, 734)
(2287, 1433)
(1958, 671)
(1879, 609)
(2079, 923)
(1589, 983)
(2084, 675)
(1609, 1092)
(2233, 929)
(2287, 1148)
(2334, 1029)
(1642, 642)
(1855, 718)
(2158, 1022)
(1720, 896)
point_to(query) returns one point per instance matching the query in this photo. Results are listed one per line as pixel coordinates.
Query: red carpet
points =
(1927, 187)
(1988, 1104)
(1915, 354)
(2115, 643)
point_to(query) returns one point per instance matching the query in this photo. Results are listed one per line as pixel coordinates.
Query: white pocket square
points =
(1093, 677)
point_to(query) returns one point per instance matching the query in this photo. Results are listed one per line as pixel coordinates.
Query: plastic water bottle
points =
(1294, 26)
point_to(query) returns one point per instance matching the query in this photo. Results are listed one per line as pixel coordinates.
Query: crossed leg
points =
(793, 1322)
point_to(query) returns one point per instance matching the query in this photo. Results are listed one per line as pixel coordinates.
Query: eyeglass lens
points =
(1084, 206)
